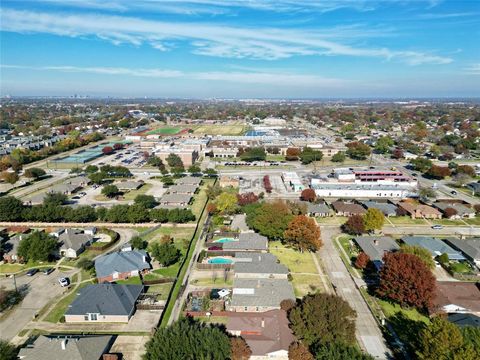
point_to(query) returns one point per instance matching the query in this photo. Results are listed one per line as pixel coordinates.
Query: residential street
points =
(368, 333)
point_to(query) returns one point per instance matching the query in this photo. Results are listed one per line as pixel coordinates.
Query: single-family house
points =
(320, 209)
(66, 189)
(388, 209)
(35, 199)
(104, 303)
(435, 246)
(121, 265)
(72, 241)
(182, 189)
(461, 210)
(80, 181)
(248, 241)
(469, 247)
(267, 334)
(348, 209)
(189, 180)
(10, 248)
(259, 295)
(129, 185)
(418, 211)
(376, 247)
(174, 200)
(255, 265)
(71, 347)
(457, 297)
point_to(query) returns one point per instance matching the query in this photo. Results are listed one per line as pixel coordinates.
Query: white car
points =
(64, 281)
(437, 227)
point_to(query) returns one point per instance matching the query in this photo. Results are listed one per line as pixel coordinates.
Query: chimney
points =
(64, 344)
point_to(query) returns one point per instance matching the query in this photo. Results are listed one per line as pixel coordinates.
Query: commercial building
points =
(293, 181)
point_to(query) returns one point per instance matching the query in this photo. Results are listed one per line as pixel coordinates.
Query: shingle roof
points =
(175, 199)
(261, 292)
(318, 208)
(123, 261)
(182, 189)
(435, 246)
(258, 263)
(461, 209)
(470, 247)
(248, 241)
(189, 180)
(74, 239)
(376, 246)
(385, 208)
(351, 208)
(77, 348)
(106, 299)
(463, 294)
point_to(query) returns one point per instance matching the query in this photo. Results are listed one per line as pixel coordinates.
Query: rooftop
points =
(261, 292)
(258, 263)
(435, 246)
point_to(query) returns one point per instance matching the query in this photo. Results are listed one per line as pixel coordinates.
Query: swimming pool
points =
(220, 260)
(224, 240)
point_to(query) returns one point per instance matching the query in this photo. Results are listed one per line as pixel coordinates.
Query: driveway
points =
(368, 333)
(41, 290)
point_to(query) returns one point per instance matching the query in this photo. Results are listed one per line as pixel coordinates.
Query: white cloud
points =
(208, 39)
(473, 69)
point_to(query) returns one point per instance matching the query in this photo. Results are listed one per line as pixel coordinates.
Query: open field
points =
(296, 261)
(165, 131)
(238, 129)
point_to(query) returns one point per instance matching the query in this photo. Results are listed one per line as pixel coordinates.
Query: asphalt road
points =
(41, 290)
(368, 333)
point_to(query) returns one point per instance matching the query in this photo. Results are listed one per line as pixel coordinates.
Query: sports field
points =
(219, 129)
(165, 131)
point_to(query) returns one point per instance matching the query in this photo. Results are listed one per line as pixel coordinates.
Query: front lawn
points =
(447, 222)
(296, 261)
(131, 195)
(391, 309)
(474, 221)
(304, 284)
(57, 313)
(406, 220)
(331, 220)
(13, 268)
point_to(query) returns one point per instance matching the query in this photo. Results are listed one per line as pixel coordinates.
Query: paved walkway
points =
(368, 333)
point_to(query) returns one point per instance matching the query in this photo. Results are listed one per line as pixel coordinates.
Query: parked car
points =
(437, 227)
(453, 192)
(47, 271)
(32, 272)
(64, 281)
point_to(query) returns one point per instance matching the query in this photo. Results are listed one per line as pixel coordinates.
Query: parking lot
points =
(41, 289)
(254, 183)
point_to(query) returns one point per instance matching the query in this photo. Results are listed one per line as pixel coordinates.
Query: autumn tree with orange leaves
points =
(303, 234)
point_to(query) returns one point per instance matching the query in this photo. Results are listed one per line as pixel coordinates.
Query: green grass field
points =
(474, 221)
(304, 284)
(162, 289)
(58, 311)
(399, 220)
(237, 129)
(296, 261)
(447, 222)
(165, 131)
(131, 195)
(218, 282)
(332, 220)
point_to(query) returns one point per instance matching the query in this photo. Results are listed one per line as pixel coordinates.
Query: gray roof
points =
(11, 245)
(248, 241)
(318, 208)
(261, 292)
(169, 199)
(78, 180)
(36, 199)
(105, 299)
(258, 263)
(435, 246)
(461, 209)
(129, 185)
(123, 261)
(376, 246)
(470, 247)
(182, 189)
(77, 348)
(63, 188)
(189, 180)
(385, 208)
(74, 239)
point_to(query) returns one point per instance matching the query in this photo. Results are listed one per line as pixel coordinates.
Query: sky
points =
(240, 48)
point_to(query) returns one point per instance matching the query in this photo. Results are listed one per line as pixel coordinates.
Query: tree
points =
(34, 173)
(292, 154)
(138, 243)
(405, 279)
(443, 258)
(450, 212)
(362, 261)
(246, 198)
(91, 169)
(146, 201)
(39, 246)
(8, 351)
(239, 349)
(194, 169)
(339, 157)
(266, 184)
(155, 161)
(226, 202)
(439, 172)
(11, 208)
(373, 219)
(118, 146)
(97, 178)
(9, 177)
(210, 171)
(107, 150)
(323, 318)
(85, 264)
(358, 150)
(188, 339)
(298, 351)
(167, 181)
(309, 155)
(110, 191)
(421, 164)
(55, 199)
(165, 254)
(211, 208)
(269, 219)
(308, 195)
(398, 154)
(340, 351)
(422, 253)
(253, 154)
(443, 340)
(426, 193)
(303, 234)
(466, 169)
(384, 144)
(461, 179)
(174, 161)
(471, 337)
(287, 305)
(354, 225)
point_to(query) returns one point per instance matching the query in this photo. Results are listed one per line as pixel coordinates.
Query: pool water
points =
(220, 260)
(224, 240)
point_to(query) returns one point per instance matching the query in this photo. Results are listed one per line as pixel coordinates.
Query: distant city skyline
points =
(240, 49)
